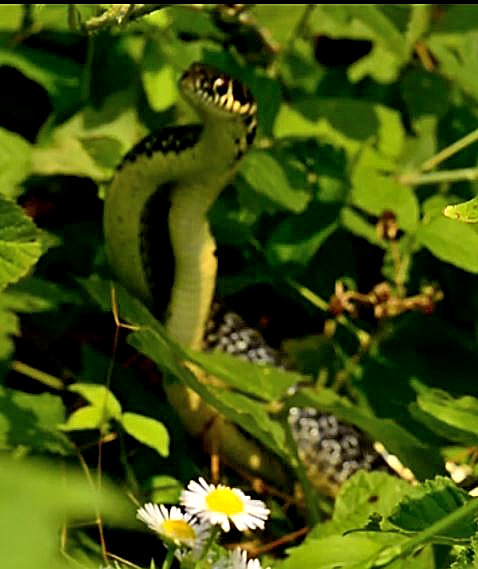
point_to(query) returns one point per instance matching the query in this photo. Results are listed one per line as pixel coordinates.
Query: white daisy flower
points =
(237, 559)
(174, 525)
(220, 505)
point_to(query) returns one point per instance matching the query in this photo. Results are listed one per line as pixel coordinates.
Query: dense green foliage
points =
(333, 237)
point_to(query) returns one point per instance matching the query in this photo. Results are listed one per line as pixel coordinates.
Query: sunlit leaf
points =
(15, 161)
(148, 431)
(38, 498)
(430, 502)
(278, 181)
(31, 421)
(451, 241)
(99, 396)
(20, 245)
(159, 79)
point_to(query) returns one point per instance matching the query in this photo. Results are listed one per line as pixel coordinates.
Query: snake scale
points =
(160, 247)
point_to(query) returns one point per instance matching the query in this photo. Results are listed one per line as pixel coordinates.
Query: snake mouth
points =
(205, 85)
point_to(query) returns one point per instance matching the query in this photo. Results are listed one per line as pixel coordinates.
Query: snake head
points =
(212, 90)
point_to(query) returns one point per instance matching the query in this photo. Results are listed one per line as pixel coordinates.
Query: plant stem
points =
(389, 554)
(212, 536)
(450, 150)
(37, 375)
(417, 179)
(168, 560)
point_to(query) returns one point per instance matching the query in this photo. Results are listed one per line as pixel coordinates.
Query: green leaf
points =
(280, 182)
(33, 294)
(450, 241)
(358, 225)
(9, 327)
(347, 123)
(250, 416)
(91, 143)
(87, 417)
(31, 422)
(99, 396)
(466, 211)
(37, 498)
(15, 161)
(363, 497)
(457, 412)
(430, 502)
(363, 494)
(159, 78)
(281, 24)
(266, 382)
(455, 53)
(147, 431)
(58, 75)
(391, 47)
(165, 489)
(376, 193)
(352, 551)
(20, 246)
(298, 238)
(11, 16)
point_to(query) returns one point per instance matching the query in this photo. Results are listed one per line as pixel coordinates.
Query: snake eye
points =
(220, 86)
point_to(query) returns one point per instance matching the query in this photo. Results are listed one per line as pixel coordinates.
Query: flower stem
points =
(212, 537)
(168, 560)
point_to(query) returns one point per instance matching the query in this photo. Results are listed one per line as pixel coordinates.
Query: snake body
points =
(160, 247)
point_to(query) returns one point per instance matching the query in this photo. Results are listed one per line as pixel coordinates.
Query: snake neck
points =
(174, 175)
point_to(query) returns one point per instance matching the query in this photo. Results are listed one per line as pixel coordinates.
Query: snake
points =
(160, 248)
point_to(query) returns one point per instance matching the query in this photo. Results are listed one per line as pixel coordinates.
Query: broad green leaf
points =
(252, 417)
(363, 494)
(280, 182)
(381, 64)
(421, 459)
(33, 294)
(87, 417)
(165, 489)
(430, 502)
(360, 22)
(99, 396)
(347, 123)
(457, 412)
(266, 382)
(91, 143)
(281, 24)
(351, 551)
(104, 150)
(59, 75)
(9, 327)
(31, 421)
(450, 241)
(466, 211)
(376, 193)
(158, 76)
(298, 238)
(147, 431)
(20, 246)
(15, 161)
(455, 53)
(391, 47)
(358, 225)
(38, 498)
(11, 16)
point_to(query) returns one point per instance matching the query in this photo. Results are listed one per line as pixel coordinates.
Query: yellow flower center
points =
(225, 501)
(178, 529)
